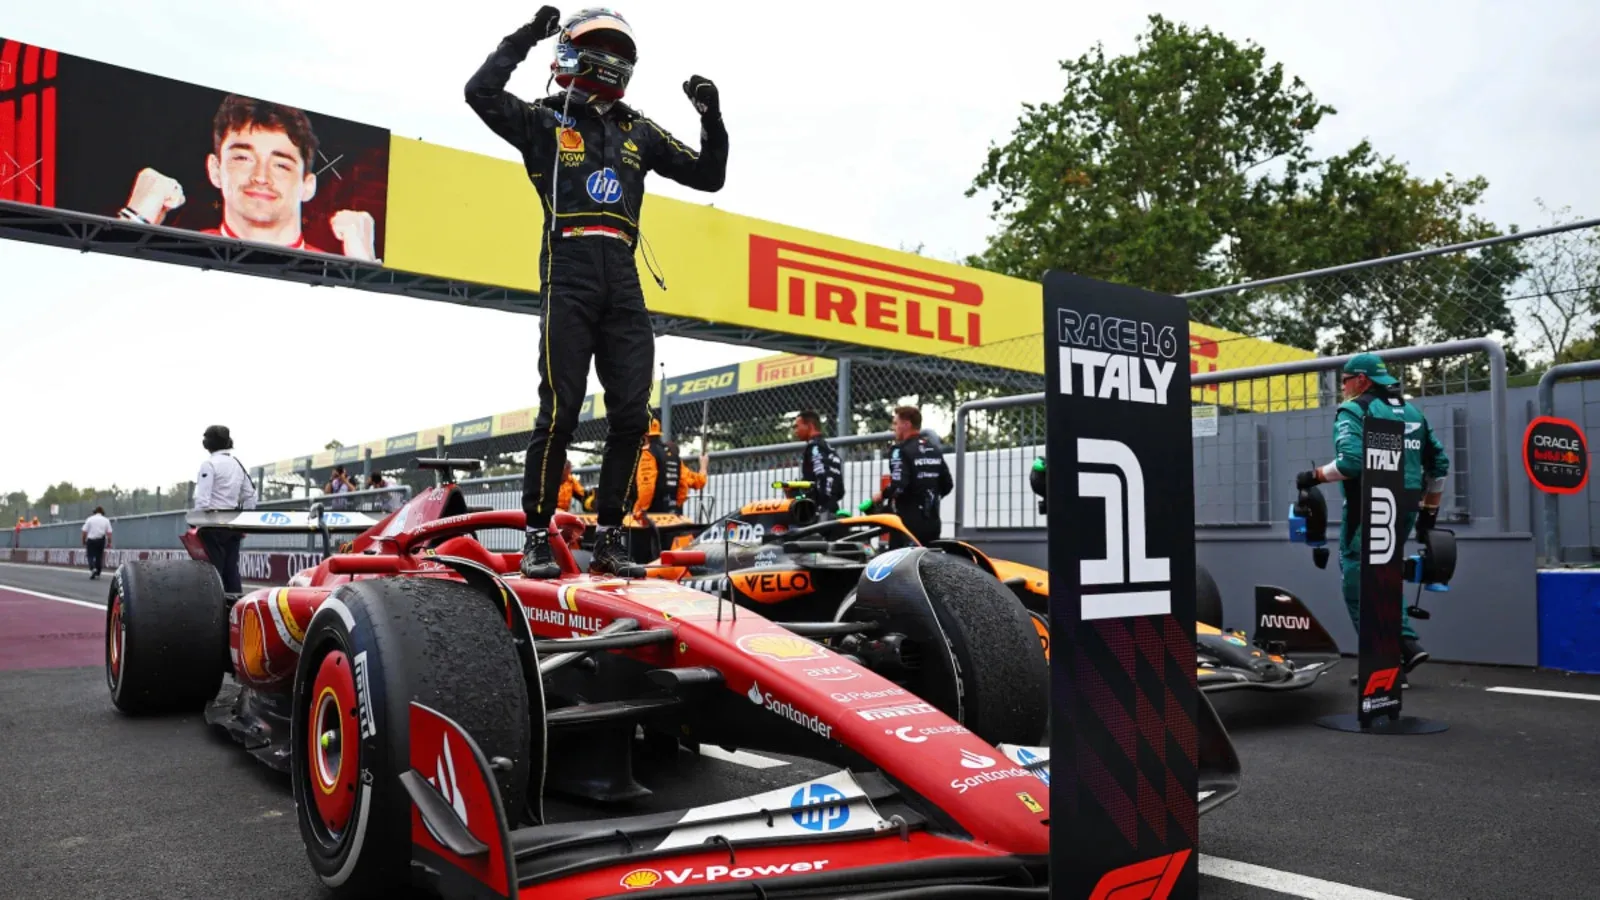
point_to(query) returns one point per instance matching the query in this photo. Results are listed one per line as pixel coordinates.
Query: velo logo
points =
(1152, 879)
(1382, 516)
(818, 807)
(1126, 562)
(603, 186)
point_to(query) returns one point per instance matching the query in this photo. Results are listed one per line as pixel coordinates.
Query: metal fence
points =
(161, 530)
(1264, 424)
(1536, 293)
(736, 477)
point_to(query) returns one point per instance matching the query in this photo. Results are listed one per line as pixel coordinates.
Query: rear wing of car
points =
(281, 521)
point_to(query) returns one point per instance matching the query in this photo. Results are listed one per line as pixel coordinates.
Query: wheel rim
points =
(333, 746)
(115, 641)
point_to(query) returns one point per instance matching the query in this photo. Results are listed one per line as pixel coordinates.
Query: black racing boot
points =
(537, 560)
(611, 555)
(1412, 654)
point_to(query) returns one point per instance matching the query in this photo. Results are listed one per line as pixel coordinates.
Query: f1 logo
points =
(1381, 680)
(1125, 525)
(1152, 879)
(1382, 516)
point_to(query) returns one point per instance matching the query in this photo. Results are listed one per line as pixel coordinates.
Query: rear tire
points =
(166, 636)
(371, 648)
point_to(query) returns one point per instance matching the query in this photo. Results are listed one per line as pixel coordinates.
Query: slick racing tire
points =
(166, 639)
(371, 648)
(1207, 598)
(1002, 689)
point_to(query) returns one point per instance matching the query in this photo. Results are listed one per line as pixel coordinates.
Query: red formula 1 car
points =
(434, 710)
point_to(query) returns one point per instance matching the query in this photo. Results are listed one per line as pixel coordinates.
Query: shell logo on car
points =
(641, 878)
(781, 647)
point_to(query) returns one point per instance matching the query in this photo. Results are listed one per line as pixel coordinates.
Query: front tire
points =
(166, 636)
(978, 661)
(371, 648)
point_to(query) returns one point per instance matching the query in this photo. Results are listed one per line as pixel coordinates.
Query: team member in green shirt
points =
(1370, 390)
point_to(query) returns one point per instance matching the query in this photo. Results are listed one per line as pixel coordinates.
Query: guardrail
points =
(161, 530)
(1499, 474)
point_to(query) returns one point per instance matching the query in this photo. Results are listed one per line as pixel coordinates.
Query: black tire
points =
(1207, 598)
(1005, 681)
(166, 636)
(441, 643)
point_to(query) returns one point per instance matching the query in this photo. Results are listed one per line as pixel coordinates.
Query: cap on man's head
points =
(1370, 365)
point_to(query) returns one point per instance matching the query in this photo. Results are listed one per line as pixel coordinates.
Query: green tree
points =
(1186, 165)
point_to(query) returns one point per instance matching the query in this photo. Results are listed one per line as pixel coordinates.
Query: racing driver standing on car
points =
(1370, 390)
(586, 154)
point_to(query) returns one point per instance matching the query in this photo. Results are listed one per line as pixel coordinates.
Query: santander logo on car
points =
(987, 773)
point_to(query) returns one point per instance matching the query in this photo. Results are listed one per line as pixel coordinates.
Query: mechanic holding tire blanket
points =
(586, 154)
(1370, 390)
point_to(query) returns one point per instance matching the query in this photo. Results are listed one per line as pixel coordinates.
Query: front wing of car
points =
(835, 834)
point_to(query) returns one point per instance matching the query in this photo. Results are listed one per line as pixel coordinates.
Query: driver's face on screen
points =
(262, 177)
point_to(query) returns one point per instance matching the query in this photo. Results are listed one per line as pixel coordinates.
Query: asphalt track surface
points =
(93, 804)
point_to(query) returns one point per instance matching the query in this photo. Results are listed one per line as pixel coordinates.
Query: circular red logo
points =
(1555, 455)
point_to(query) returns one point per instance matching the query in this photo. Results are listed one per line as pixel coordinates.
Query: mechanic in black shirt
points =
(918, 477)
(819, 464)
(586, 154)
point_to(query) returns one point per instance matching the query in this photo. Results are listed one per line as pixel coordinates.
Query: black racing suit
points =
(820, 464)
(587, 167)
(918, 478)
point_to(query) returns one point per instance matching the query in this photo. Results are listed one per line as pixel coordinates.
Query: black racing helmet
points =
(595, 54)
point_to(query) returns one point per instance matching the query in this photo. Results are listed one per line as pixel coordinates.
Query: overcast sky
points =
(863, 120)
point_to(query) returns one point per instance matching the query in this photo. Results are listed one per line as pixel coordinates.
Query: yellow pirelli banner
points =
(454, 214)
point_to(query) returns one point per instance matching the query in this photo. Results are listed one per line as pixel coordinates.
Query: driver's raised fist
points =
(546, 21)
(154, 195)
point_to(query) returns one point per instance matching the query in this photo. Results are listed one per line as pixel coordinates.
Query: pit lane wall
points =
(365, 194)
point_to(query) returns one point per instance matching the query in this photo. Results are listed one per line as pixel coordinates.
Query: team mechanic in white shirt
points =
(223, 483)
(96, 537)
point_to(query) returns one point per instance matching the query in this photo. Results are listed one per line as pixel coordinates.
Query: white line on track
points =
(17, 590)
(1286, 882)
(1568, 695)
(741, 758)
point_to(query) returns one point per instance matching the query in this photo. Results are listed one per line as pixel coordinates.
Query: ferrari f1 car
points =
(777, 552)
(431, 705)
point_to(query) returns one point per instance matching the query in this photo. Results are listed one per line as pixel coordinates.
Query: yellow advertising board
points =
(454, 214)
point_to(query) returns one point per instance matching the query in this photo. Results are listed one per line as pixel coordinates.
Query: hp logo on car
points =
(274, 518)
(603, 186)
(818, 807)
